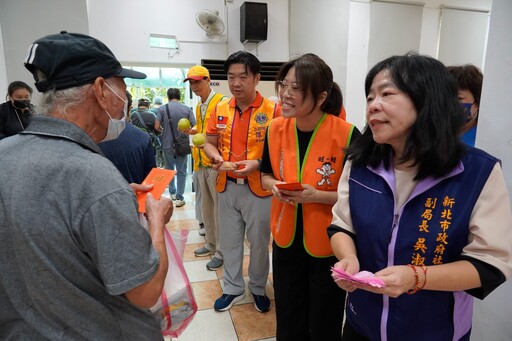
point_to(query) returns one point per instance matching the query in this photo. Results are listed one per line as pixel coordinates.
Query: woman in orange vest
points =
(305, 149)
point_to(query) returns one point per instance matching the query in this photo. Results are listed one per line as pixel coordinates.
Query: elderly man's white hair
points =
(59, 101)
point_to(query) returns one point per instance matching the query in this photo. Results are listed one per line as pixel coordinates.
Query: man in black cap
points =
(76, 264)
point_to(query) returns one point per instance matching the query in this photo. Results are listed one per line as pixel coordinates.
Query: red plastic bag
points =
(177, 306)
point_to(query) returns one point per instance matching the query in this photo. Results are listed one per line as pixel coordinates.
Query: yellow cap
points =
(197, 72)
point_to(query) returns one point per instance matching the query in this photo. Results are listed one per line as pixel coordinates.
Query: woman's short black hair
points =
(243, 57)
(468, 77)
(13, 86)
(314, 76)
(433, 142)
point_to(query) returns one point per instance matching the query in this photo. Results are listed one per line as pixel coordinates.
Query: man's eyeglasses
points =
(293, 88)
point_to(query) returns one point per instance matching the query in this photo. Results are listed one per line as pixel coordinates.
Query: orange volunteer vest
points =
(200, 158)
(259, 120)
(321, 168)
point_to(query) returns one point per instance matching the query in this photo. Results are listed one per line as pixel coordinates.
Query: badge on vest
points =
(325, 171)
(261, 118)
(221, 122)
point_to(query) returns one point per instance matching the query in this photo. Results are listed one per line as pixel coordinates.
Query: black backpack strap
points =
(139, 116)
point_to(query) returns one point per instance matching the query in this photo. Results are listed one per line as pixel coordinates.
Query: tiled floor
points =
(242, 322)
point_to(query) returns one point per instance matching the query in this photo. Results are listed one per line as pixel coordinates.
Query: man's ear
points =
(257, 78)
(100, 90)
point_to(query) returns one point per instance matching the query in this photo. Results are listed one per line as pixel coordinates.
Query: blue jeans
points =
(180, 164)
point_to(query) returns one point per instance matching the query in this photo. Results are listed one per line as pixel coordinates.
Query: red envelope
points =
(291, 186)
(160, 178)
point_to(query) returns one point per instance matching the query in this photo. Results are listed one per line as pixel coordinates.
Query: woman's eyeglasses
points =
(293, 88)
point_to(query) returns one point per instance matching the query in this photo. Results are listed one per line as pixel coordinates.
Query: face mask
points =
(115, 127)
(467, 110)
(21, 104)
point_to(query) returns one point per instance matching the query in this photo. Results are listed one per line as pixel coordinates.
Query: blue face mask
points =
(116, 127)
(467, 110)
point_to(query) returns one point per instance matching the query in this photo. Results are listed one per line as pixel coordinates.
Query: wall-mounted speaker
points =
(253, 22)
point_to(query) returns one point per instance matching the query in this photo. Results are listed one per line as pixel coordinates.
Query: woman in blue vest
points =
(428, 215)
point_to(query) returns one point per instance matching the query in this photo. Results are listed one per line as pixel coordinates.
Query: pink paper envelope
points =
(363, 277)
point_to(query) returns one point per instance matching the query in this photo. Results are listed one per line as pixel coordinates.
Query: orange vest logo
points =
(261, 118)
(325, 171)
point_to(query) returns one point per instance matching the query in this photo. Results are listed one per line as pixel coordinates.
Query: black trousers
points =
(350, 334)
(309, 304)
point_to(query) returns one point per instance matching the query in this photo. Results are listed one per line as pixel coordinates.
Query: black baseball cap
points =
(144, 102)
(72, 59)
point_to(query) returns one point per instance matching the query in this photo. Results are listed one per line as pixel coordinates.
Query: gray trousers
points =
(197, 190)
(209, 208)
(241, 212)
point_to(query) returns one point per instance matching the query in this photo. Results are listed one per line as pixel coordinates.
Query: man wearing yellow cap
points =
(204, 176)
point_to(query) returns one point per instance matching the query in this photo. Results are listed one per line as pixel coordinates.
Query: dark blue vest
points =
(431, 228)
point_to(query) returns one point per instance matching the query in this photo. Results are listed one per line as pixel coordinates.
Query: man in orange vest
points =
(204, 176)
(234, 143)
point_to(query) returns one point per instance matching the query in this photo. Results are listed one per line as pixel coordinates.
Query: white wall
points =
(3, 70)
(23, 21)
(360, 25)
(391, 20)
(492, 316)
(176, 17)
(321, 27)
(124, 26)
(463, 37)
(357, 58)
(430, 31)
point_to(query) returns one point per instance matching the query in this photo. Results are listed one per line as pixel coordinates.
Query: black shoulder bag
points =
(181, 142)
(154, 139)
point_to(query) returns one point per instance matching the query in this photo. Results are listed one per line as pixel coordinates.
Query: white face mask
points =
(116, 127)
